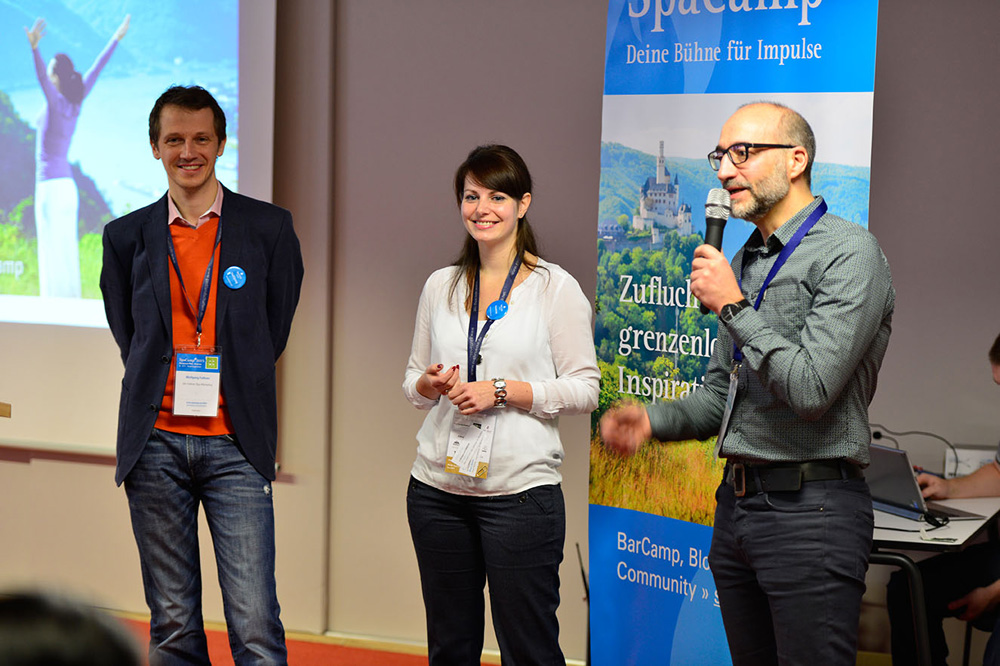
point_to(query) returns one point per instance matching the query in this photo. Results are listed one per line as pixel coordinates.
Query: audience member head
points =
(48, 630)
(995, 359)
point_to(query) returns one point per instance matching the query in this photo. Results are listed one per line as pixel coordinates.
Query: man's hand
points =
(712, 279)
(976, 602)
(933, 487)
(625, 428)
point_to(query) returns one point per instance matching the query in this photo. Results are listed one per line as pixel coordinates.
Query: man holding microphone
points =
(804, 322)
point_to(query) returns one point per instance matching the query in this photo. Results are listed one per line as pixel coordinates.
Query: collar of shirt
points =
(782, 234)
(174, 215)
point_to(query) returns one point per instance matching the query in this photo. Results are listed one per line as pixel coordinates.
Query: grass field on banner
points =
(676, 480)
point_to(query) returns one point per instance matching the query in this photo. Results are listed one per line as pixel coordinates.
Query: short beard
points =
(764, 195)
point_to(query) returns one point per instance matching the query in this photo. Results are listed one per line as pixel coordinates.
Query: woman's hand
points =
(123, 28)
(437, 381)
(473, 397)
(36, 33)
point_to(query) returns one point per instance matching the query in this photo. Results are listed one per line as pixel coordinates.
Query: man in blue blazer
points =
(199, 290)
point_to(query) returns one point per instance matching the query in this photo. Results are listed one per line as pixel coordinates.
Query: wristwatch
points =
(729, 310)
(499, 393)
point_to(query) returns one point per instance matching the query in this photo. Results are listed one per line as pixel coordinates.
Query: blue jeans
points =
(173, 476)
(790, 571)
(946, 578)
(515, 542)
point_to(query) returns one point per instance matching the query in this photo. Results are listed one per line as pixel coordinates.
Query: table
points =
(888, 544)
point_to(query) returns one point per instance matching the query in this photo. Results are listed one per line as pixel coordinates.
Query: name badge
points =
(734, 380)
(197, 382)
(470, 443)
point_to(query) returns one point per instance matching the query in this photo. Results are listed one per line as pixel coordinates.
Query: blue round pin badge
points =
(496, 310)
(234, 277)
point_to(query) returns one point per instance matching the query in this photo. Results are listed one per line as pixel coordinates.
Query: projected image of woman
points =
(503, 344)
(57, 201)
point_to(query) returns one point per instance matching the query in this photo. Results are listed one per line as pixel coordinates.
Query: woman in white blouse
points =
(503, 344)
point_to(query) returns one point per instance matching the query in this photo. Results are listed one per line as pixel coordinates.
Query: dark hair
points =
(70, 82)
(995, 352)
(501, 169)
(45, 630)
(192, 98)
(794, 130)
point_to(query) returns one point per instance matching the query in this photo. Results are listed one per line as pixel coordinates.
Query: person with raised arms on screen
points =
(57, 201)
(199, 290)
(965, 584)
(804, 321)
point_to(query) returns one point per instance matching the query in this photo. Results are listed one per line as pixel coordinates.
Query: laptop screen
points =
(891, 480)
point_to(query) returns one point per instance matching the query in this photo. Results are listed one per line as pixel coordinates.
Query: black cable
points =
(917, 531)
(877, 434)
(925, 434)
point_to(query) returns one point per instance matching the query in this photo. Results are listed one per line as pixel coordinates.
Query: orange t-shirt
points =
(194, 249)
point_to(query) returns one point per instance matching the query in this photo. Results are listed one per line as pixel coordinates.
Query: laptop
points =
(894, 488)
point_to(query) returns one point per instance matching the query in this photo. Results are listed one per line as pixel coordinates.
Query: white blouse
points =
(546, 339)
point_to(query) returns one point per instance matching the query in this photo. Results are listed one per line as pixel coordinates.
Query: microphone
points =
(716, 215)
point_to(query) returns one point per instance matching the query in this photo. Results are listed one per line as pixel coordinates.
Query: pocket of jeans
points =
(795, 501)
(546, 498)
(412, 486)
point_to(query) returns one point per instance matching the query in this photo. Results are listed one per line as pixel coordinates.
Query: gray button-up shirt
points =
(811, 353)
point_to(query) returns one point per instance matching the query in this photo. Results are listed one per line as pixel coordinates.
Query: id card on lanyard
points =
(734, 373)
(197, 371)
(470, 441)
(197, 381)
(470, 444)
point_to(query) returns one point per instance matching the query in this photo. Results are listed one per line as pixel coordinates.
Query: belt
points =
(747, 479)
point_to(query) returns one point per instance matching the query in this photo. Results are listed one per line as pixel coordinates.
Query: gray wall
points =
(934, 186)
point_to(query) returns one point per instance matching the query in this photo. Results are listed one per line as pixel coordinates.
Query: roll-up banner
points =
(675, 70)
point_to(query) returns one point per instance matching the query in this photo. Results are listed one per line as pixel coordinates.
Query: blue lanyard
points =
(206, 283)
(786, 252)
(476, 342)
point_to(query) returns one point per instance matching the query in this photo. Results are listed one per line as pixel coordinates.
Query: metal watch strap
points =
(499, 393)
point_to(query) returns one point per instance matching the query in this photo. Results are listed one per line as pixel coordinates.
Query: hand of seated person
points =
(977, 602)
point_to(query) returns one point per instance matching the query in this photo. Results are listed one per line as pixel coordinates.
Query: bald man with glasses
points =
(805, 314)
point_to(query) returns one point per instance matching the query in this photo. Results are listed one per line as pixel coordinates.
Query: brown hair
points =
(192, 98)
(70, 81)
(501, 169)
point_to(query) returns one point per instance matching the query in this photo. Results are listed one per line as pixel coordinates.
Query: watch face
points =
(729, 311)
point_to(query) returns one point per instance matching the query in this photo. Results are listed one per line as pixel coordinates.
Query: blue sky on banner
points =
(734, 46)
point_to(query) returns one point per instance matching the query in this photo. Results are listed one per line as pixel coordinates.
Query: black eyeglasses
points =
(739, 153)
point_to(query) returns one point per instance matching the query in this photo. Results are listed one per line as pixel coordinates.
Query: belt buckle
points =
(739, 479)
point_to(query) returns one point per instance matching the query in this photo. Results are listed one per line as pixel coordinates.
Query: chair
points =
(985, 622)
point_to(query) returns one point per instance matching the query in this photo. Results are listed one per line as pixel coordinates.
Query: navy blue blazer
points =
(251, 323)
